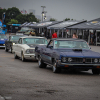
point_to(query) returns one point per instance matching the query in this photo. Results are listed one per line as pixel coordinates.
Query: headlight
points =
(63, 59)
(30, 51)
(69, 59)
(3, 44)
(95, 60)
(13, 43)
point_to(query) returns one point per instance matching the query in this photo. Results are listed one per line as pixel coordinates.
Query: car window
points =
(70, 44)
(3, 37)
(20, 41)
(34, 41)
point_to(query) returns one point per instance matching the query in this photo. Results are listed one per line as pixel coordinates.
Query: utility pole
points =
(43, 12)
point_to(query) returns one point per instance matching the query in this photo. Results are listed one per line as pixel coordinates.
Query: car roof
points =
(32, 37)
(70, 39)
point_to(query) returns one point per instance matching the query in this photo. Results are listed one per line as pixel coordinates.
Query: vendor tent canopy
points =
(93, 24)
(23, 24)
(65, 24)
(0, 23)
(44, 24)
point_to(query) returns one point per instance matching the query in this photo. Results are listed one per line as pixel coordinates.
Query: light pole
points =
(45, 15)
(3, 18)
(43, 12)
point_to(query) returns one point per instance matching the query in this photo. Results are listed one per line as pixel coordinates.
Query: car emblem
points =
(83, 59)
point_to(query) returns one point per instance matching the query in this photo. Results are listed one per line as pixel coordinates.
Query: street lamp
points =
(45, 15)
(43, 11)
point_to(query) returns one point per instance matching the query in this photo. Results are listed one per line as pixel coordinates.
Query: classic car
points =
(3, 38)
(73, 54)
(13, 39)
(28, 32)
(25, 48)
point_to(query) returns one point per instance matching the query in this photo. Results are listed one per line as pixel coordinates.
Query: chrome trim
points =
(59, 62)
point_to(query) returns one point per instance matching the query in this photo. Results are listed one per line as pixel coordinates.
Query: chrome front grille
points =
(77, 60)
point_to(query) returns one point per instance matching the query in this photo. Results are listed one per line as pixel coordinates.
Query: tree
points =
(52, 19)
(11, 13)
(13, 21)
(21, 18)
(66, 19)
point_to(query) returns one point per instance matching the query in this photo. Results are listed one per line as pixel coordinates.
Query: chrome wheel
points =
(22, 57)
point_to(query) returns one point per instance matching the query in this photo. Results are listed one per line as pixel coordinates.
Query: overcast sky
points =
(59, 9)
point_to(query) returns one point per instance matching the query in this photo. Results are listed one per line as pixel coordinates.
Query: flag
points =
(25, 12)
(22, 12)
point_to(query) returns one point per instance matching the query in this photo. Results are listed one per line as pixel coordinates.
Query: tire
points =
(41, 63)
(22, 57)
(6, 49)
(55, 68)
(96, 71)
(15, 56)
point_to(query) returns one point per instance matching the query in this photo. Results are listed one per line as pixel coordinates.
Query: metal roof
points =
(93, 24)
(65, 24)
(44, 24)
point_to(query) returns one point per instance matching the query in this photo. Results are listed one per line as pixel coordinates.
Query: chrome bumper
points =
(78, 64)
(29, 56)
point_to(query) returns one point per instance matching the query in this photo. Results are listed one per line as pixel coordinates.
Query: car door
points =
(19, 47)
(48, 52)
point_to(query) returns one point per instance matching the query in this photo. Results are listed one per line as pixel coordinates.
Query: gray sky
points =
(59, 9)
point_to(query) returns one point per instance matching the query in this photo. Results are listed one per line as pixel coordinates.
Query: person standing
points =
(75, 36)
(54, 35)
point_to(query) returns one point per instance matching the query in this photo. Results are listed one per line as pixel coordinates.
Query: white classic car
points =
(25, 48)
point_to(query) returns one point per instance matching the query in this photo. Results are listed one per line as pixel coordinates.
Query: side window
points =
(20, 41)
(50, 45)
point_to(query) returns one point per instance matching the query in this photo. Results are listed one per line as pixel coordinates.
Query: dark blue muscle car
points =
(68, 54)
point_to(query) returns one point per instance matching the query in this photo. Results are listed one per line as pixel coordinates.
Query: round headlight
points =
(95, 60)
(63, 59)
(13, 43)
(70, 59)
(27, 51)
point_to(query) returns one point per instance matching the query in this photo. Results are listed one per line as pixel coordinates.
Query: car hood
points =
(83, 53)
(27, 46)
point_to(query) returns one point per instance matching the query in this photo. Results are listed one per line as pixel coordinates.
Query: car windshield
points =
(34, 41)
(15, 38)
(3, 37)
(71, 44)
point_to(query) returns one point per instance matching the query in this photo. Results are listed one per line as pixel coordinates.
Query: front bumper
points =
(78, 65)
(30, 56)
(2, 46)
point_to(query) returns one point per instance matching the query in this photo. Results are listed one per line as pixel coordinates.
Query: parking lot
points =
(26, 81)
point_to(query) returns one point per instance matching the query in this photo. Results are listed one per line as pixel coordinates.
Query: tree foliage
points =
(13, 21)
(14, 13)
(66, 19)
(52, 19)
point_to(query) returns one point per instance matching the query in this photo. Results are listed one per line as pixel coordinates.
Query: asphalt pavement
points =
(26, 81)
